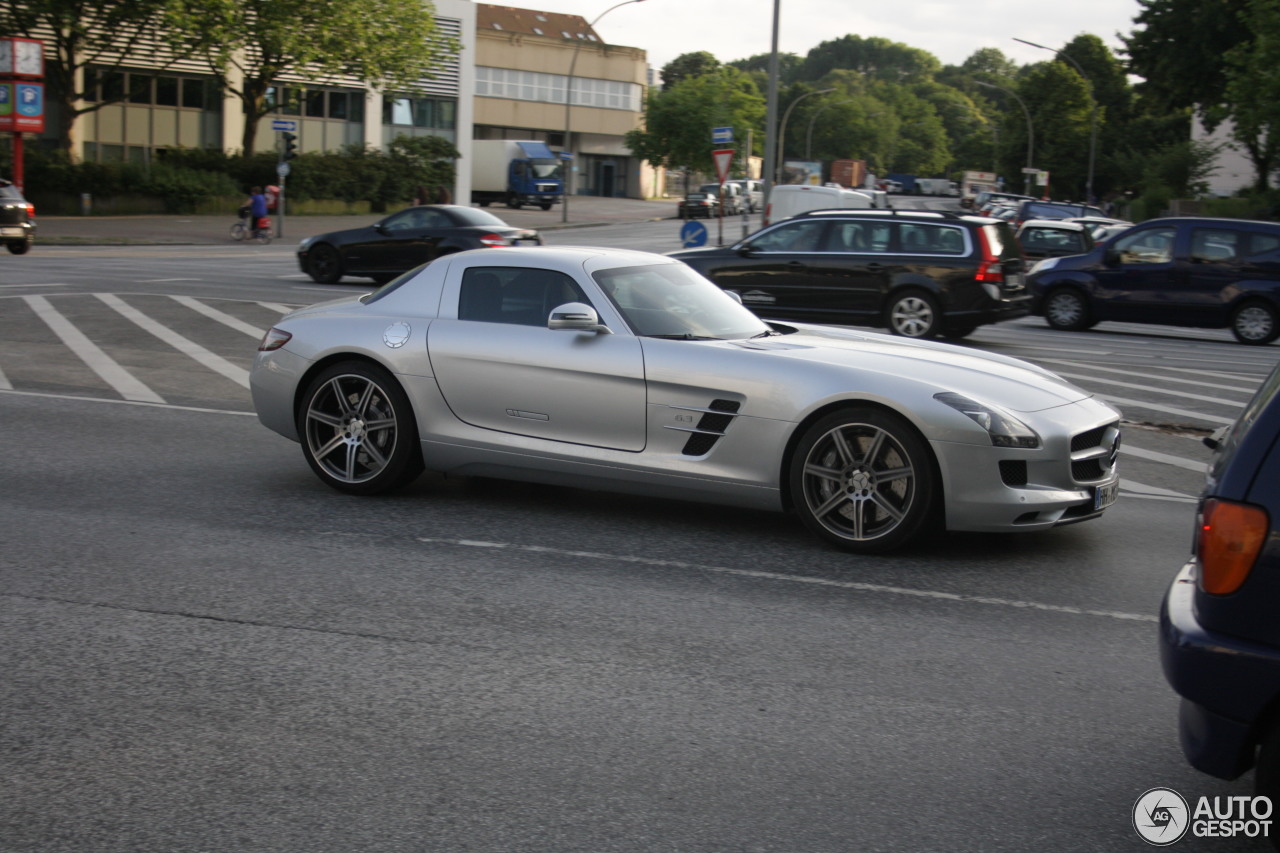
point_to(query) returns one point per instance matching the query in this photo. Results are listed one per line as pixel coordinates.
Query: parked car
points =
(698, 206)
(17, 219)
(752, 193)
(404, 240)
(1219, 635)
(1050, 238)
(730, 197)
(623, 370)
(983, 200)
(790, 200)
(919, 273)
(1190, 271)
(1054, 210)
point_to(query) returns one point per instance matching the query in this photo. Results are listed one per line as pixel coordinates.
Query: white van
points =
(787, 200)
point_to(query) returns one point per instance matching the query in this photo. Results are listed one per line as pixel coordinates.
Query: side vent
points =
(711, 426)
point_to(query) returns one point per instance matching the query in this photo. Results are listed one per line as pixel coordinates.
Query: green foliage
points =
(678, 120)
(1253, 89)
(688, 65)
(875, 57)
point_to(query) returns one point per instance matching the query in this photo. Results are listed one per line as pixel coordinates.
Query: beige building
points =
(522, 62)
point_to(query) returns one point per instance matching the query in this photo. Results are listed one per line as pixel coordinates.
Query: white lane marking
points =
(124, 382)
(222, 317)
(50, 284)
(763, 575)
(145, 403)
(5, 384)
(1171, 410)
(1186, 395)
(164, 280)
(211, 360)
(1129, 372)
(276, 306)
(1153, 493)
(1166, 458)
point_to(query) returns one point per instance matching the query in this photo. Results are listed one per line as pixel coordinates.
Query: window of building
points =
(166, 91)
(430, 113)
(550, 88)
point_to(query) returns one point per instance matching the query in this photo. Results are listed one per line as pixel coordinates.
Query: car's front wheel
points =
(913, 314)
(863, 479)
(1255, 323)
(1066, 310)
(22, 246)
(358, 431)
(324, 265)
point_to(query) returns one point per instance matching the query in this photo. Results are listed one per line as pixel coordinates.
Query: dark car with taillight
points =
(1220, 622)
(17, 219)
(406, 239)
(921, 274)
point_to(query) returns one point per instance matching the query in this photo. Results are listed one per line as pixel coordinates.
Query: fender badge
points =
(396, 335)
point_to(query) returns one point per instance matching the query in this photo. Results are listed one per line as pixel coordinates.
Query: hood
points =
(704, 252)
(1000, 380)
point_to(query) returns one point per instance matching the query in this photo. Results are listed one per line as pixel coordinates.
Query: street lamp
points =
(568, 107)
(1093, 114)
(782, 131)
(1031, 134)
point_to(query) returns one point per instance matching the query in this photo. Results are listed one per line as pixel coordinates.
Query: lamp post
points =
(808, 137)
(1093, 114)
(1031, 134)
(771, 113)
(782, 130)
(568, 108)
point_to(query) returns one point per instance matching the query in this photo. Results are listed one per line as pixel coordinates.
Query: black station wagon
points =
(1185, 271)
(922, 274)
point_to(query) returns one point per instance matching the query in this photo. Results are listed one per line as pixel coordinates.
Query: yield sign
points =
(723, 158)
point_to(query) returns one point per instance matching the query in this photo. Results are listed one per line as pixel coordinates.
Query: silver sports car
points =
(627, 371)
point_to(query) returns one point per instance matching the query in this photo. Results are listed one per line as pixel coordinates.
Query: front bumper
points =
(1226, 683)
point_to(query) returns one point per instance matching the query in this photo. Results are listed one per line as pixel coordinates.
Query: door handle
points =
(796, 265)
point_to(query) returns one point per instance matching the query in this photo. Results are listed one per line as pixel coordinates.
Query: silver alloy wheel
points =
(1254, 323)
(913, 316)
(859, 482)
(1064, 310)
(351, 428)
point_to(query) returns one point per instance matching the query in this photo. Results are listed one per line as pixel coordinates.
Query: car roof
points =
(1062, 224)
(876, 213)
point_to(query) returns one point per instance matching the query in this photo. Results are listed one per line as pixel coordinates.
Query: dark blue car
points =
(1220, 623)
(1199, 272)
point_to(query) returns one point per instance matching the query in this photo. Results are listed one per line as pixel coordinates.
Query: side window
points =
(929, 239)
(1215, 245)
(401, 221)
(805, 236)
(1262, 244)
(859, 237)
(433, 219)
(520, 296)
(1148, 246)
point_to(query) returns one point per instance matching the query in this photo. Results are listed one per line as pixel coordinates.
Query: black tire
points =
(863, 479)
(22, 246)
(1255, 323)
(546, 206)
(913, 314)
(324, 265)
(358, 431)
(1266, 774)
(1067, 310)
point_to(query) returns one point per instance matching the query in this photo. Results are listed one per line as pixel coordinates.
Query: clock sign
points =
(21, 57)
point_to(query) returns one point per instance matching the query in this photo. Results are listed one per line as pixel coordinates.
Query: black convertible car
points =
(404, 240)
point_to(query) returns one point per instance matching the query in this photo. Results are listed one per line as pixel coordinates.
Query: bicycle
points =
(261, 235)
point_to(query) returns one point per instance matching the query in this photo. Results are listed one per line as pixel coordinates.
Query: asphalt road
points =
(205, 649)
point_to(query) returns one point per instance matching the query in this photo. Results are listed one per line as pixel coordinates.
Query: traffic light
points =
(290, 146)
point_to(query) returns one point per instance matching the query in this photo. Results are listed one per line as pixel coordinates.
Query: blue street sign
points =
(285, 125)
(721, 135)
(693, 234)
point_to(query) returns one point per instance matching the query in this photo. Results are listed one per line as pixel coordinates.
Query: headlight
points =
(1043, 265)
(1005, 430)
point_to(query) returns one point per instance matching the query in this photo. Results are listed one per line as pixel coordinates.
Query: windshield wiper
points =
(683, 336)
(767, 333)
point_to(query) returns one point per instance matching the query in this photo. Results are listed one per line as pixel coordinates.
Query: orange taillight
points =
(1231, 535)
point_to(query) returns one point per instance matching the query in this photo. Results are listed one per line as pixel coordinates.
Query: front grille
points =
(1093, 453)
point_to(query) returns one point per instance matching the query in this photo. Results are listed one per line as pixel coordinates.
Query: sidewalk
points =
(176, 229)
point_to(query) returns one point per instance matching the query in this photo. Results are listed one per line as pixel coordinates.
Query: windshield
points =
(544, 168)
(673, 301)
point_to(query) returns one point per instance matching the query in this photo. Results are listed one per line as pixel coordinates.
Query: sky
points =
(949, 29)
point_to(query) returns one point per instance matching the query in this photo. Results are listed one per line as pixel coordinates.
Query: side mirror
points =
(735, 296)
(746, 250)
(576, 317)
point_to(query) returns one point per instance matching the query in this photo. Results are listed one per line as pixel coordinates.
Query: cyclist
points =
(257, 204)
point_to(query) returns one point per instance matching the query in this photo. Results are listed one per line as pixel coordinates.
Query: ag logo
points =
(1161, 816)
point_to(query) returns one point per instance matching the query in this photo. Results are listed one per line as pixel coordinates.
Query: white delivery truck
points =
(787, 200)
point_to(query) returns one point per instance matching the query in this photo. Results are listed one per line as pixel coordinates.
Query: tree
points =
(248, 44)
(688, 65)
(875, 57)
(1179, 48)
(678, 120)
(1252, 92)
(81, 33)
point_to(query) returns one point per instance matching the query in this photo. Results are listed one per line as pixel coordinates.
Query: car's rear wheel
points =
(22, 246)
(358, 431)
(1255, 323)
(324, 265)
(546, 206)
(1066, 310)
(863, 479)
(913, 314)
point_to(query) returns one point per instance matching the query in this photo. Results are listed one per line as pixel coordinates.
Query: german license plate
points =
(10, 232)
(1104, 496)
